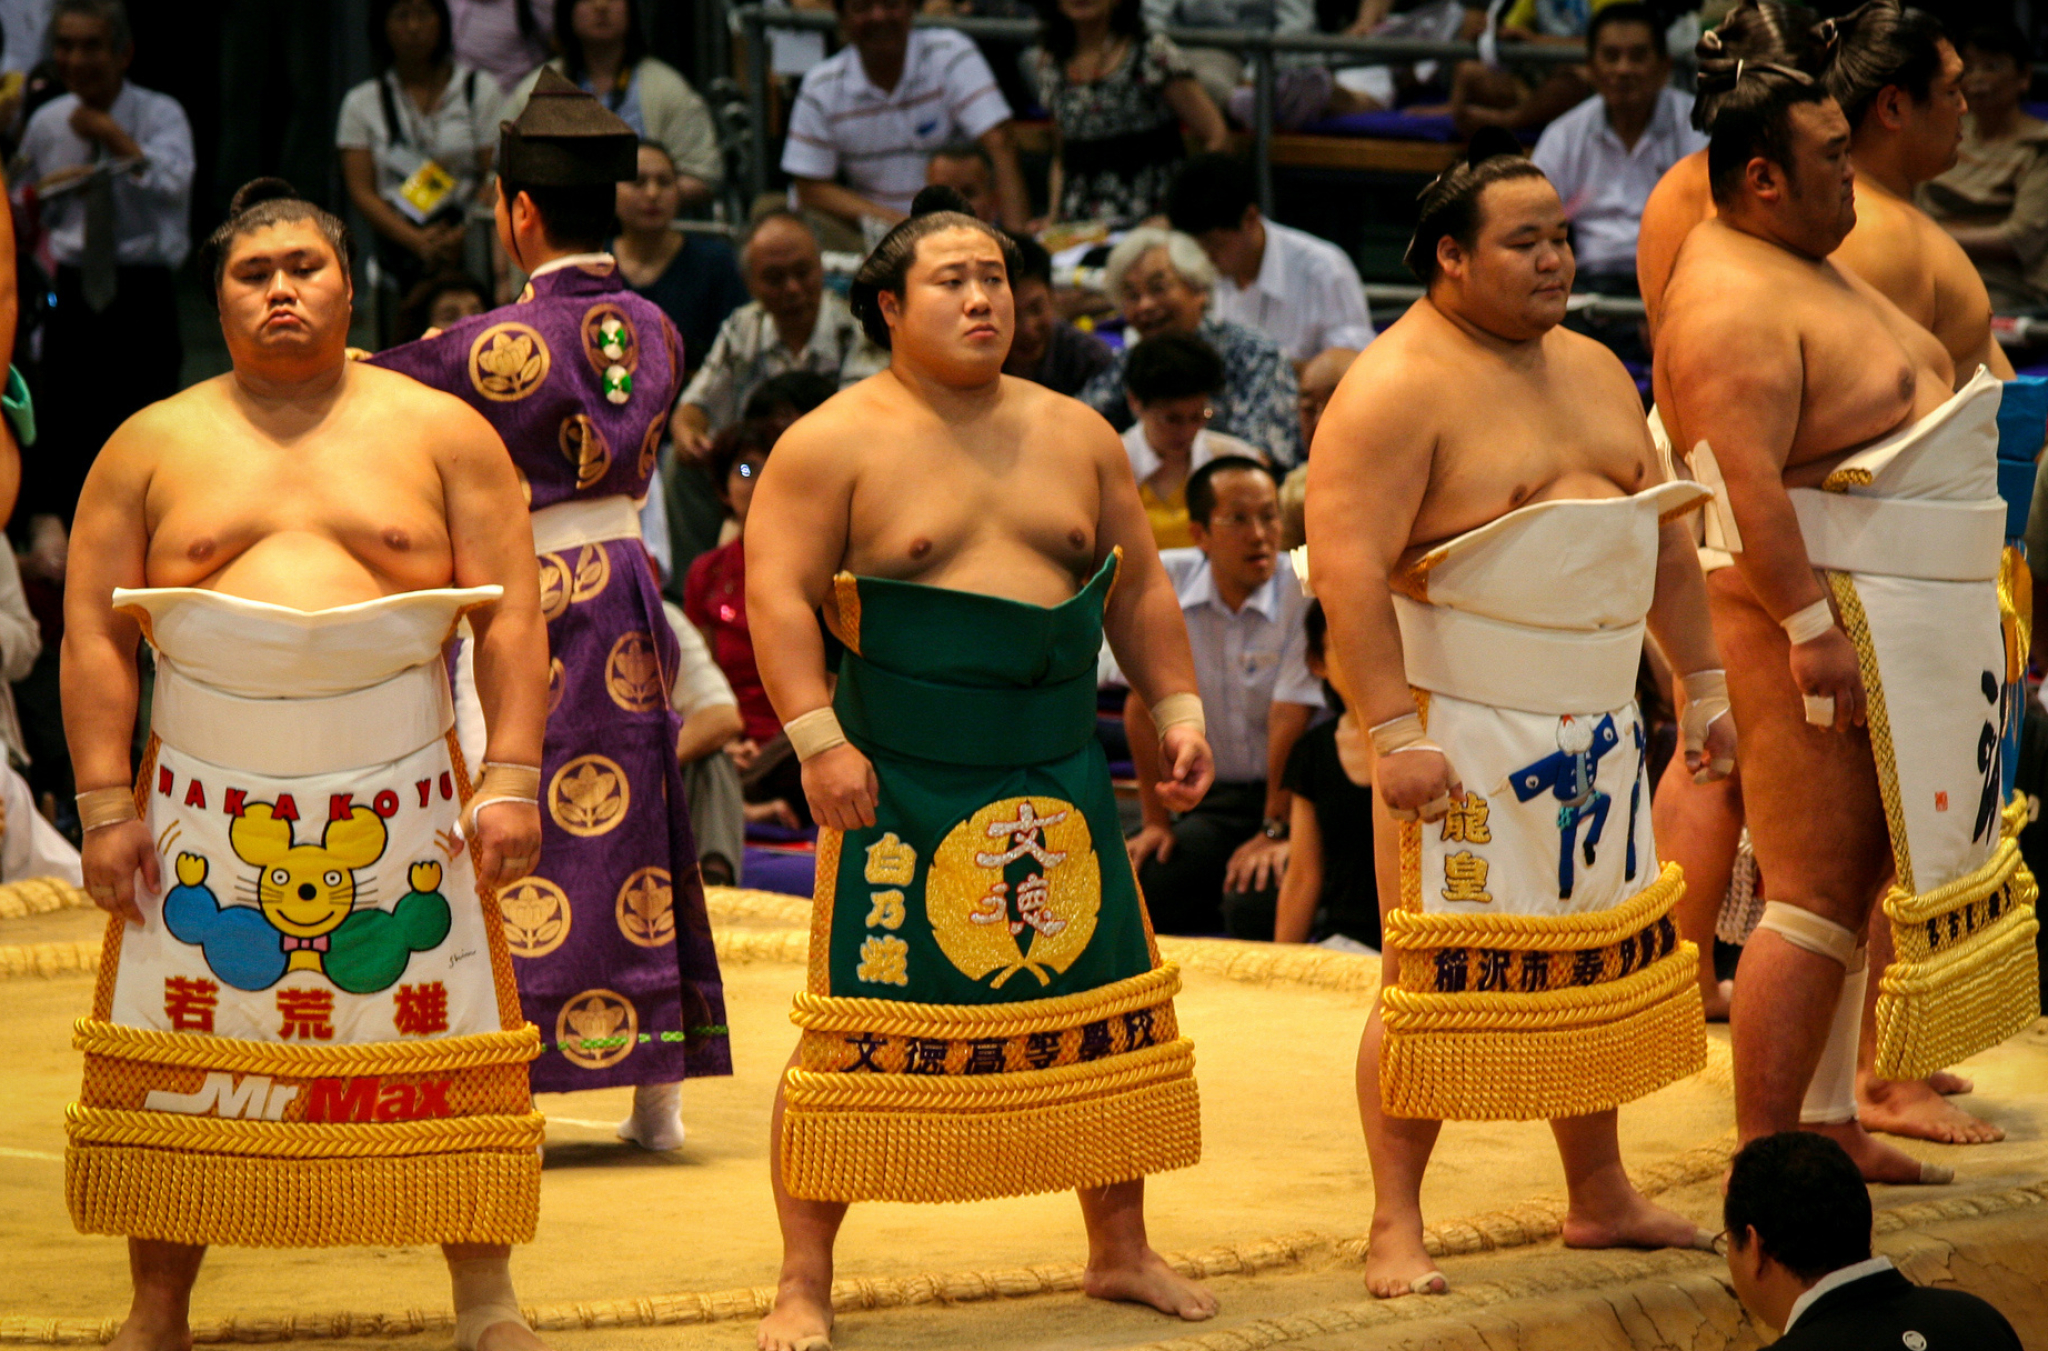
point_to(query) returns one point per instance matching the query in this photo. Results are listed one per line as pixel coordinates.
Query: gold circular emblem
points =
(650, 446)
(632, 673)
(555, 586)
(536, 915)
(508, 361)
(597, 1028)
(593, 571)
(1015, 887)
(646, 908)
(609, 338)
(584, 446)
(555, 684)
(589, 795)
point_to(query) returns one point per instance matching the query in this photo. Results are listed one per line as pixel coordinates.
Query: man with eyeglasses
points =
(1218, 867)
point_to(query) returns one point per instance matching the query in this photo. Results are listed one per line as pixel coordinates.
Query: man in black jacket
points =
(1798, 1234)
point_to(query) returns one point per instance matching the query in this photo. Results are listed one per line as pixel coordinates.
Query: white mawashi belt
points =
(287, 738)
(1895, 537)
(1502, 665)
(592, 520)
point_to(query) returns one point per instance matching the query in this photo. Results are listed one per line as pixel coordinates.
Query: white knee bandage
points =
(1831, 1093)
(1806, 930)
(483, 1297)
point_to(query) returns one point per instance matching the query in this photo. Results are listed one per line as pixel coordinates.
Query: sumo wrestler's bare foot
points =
(801, 1319)
(1950, 1084)
(1879, 1162)
(509, 1335)
(1915, 1109)
(1146, 1279)
(159, 1315)
(1398, 1263)
(1630, 1221)
(149, 1331)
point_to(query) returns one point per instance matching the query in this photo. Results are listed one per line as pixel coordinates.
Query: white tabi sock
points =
(657, 1120)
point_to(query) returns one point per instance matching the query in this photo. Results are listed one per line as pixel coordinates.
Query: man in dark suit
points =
(1798, 1245)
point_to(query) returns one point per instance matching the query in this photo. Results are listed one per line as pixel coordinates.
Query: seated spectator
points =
(416, 142)
(603, 46)
(443, 299)
(1798, 1246)
(1118, 97)
(1162, 281)
(1222, 70)
(1330, 891)
(1605, 156)
(715, 600)
(1319, 380)
(1219, 866)
(695, 278)
(875, 111)
(966, 168)
(711, 783)
(1172, 383)
(1521, 98)
(792, 323)
(1046, 348)
(1995, 200)
(1300, 291)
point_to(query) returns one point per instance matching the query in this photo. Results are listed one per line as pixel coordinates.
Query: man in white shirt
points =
(111, 164)
(1301, 291)
(1218, 867)
(874, 113)
(1606, 155)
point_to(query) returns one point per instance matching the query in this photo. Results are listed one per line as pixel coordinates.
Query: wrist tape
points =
(1176, 710)
(501, 783)
(814, 733)
(1401, 734)
(105, 807)
(1809, 623)
(1706, 698)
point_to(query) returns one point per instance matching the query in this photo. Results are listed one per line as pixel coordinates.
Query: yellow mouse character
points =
(306, 890)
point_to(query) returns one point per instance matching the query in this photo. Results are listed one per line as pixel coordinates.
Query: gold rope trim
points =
(2001, 867)
(40, 896)
(846, 595)
(835, 1013)
(484, 1197)
(1512, 1011)
(199, 1051)
(110, 956)
(1857, 625)
(1410, 929)
(2016, 611)
(923, 1138)
(94, 1126)
(1989, 992)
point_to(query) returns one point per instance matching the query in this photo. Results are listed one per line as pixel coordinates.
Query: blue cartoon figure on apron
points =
(1568, 774)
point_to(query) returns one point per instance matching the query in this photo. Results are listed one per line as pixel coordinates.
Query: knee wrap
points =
(1806, 930)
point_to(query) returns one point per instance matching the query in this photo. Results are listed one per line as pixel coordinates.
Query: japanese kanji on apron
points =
(1910, 535)
(987, 1014)
(314, 1038)
(1541, 973)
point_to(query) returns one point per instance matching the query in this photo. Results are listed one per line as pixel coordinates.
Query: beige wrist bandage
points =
(814, 733)
(1808, 624)
(501, 783)
(483, 1297)
(1176, 710)
(105, 807)
(1706, 698)
(1405, 734)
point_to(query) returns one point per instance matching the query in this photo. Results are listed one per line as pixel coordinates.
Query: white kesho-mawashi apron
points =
(1540, 972)
(314, 1037)
(1910, 534)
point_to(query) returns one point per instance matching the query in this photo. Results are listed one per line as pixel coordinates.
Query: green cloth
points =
(19, 408)
(970, 704)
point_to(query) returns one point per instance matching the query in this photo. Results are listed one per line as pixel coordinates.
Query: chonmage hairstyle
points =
(1450, 205)
(1753, 103)
(1805, 1199)
(1879, 44)
(932, 210)
(263, 202)
(1173, 366)
(1756, 32)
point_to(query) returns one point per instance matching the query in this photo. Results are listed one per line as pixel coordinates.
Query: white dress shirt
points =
(1604, 183)
(1833, 1280)
(151, 204)
(1307, 296)
(1245, 659)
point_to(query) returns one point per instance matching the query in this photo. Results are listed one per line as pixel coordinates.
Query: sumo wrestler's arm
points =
(1365, 490)
(1143, 623)
(1682, 627)
(1737, 380)
(492, 538)
(796, 540)
(109, 547)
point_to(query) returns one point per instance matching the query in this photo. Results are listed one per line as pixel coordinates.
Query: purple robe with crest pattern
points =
(611, 942)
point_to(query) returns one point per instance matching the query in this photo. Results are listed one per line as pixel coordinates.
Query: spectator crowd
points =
(1152, 284)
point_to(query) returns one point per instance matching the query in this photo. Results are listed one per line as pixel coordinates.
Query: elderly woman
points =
(1161, 280)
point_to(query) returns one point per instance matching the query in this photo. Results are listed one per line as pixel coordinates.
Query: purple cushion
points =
(1386, 125)
(782, 870)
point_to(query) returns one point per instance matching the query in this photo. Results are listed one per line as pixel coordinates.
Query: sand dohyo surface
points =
(1274, 1214)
